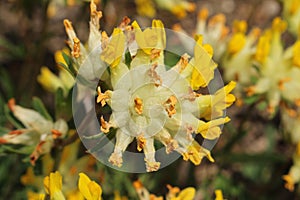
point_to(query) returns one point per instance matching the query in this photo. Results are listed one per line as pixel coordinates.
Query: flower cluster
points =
(263, 67)
(37, 130)
(149, 102)
(291, 13)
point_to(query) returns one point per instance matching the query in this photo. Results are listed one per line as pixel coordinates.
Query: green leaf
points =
(23, 150)
(66, 68)
(252, 99)
(39, 106)
(63, 105)
(3, 130)
(70, 64)
(6, 84)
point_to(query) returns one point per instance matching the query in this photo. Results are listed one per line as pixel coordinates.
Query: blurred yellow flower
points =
(178, 7)
(89, 189)
(219, 195)
(145, 8)
(53, 186)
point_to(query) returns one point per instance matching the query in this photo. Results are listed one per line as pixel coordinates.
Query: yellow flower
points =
(53, 186)
(291, 13)
(236, 43)
(178, 7)
(263, 47)
(38, 131)
(113, 52)
(145, 8)
(35, 196)
(195, 153)
(185, 194)
(89, 189)
(219, 195)
(296, 53)
(151, 39)
(51, 81)
(204, 67)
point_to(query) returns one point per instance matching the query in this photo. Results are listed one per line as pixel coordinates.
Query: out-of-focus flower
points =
(69, 166)
(291, 13)
(219, 195)
(174, 193)
(270, 56)
(52, 82)
(145, 8)
(53, 186)
(293, 177)
(171, 90)
(89, 189)
(37, 131)
(35, 196)
(238, 59)
(214, 32)
(177, 7)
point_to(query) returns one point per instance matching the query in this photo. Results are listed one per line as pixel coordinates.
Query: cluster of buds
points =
(150, 101)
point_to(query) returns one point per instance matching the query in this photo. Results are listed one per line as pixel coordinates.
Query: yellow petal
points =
(89, 189)
(219, 195)
(113, 52)
(187, 194)
(49, 80)
(53, 186)
(236, 43)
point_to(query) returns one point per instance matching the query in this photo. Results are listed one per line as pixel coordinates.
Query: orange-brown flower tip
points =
(68, 24)
(239, 102)
(289, 182)
(11, 104)
(3, 141)
(282, 82)
(291, 112)
(297, 102)
(256, 32)
(191, 7)
(173, 190)
(36, 153)
(94, 12)
(16, 132)
(125, 21)
(73, 170)
(270, 109)
(203, 14)
(177, 27)
(56, 133)
(250, 91)
(137, 184)
(219, 18)
(33, 158)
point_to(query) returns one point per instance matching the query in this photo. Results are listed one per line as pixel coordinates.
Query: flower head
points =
(37, 131)
(150, 101)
